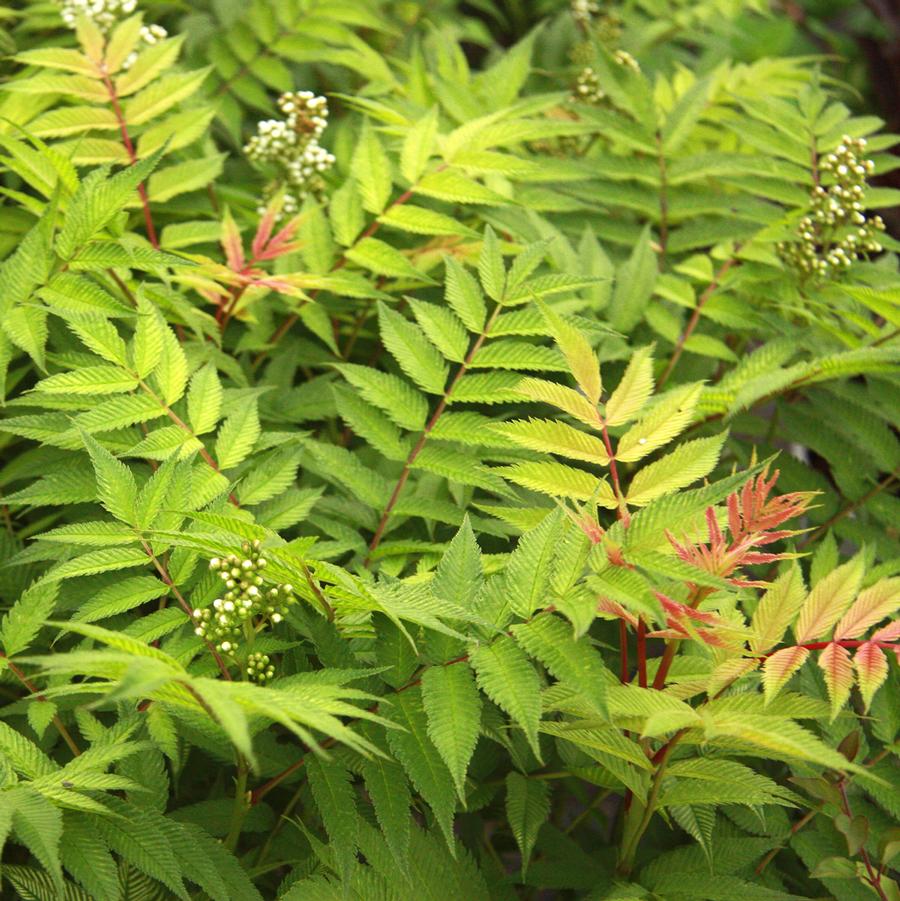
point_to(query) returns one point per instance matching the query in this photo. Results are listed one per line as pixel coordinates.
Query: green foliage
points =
(482, 508)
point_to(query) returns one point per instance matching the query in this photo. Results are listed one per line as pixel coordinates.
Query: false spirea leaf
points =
(871, 668)
(779, 668)
(838, 670)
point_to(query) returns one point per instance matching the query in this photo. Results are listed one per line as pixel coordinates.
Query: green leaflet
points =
(508, 679)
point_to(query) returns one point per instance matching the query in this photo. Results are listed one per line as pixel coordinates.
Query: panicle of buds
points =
(587, 87)
(583, 11)
(753, 520)
(835, 232)
(626, 60)
(259, 668)
(292, 145)
(106, 14)
(587, 84)
(246, 604)
(103, 13)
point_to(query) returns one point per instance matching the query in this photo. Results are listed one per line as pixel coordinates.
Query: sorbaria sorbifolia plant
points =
(448, 451)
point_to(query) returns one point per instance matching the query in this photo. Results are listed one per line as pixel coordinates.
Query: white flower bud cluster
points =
(103, 13)
(259, 668)
(584, 10)
(246, 603)
(107, 13)
(292, 144)
(587, 87)
(626, 60)
(835, 232)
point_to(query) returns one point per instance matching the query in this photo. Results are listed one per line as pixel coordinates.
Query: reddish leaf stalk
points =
(695, 319)
(57, 722)
(423, 438)
(642, 653)
(622, 511)
(132, 156)
(185, 606)
(843, 643)
(874, 876)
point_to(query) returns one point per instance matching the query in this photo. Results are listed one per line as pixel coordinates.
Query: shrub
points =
(434, 469)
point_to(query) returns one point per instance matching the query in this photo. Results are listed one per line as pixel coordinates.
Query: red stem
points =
(132, 156)
(642, 653)
(57, 722)
(695, 318)
(414, 453)
(622, 511)
(874, 877)
(844, 643)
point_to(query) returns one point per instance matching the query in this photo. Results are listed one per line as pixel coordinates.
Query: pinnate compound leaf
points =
(569, 659)
(510, 681)
(551, 436)
(686, 464)
(443, 328)
(579, 354)
(873, 604)
(777, 609)
(38, 825)
(26, 616)
(834, 662)
(491, 271)
(335, 799)
(633, 391)
(388, 788)
(372, 171)
(527, 809)
(459, 576)
(871, 667)
(421, 760)
(415, 354)
(204, 399)
(419, 145)
(779, 668)
(665, 421)
(559, 480)
(238, 435)
(453, 708)
(100, 379)
(561, 397)
(464, 296)
(402, 403)
(530, 565)
(116, 488)
(828, 600)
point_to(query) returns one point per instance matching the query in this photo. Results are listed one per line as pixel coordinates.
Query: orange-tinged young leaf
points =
(890, 632)
(871, 670)
(777, 609)
(835, 664)
(632, 392)
(580, 357)
(873, 604)
(779, 668)
(231, 243)
(560, 396)
(266, 225)
(729, 671)
(828, 601)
